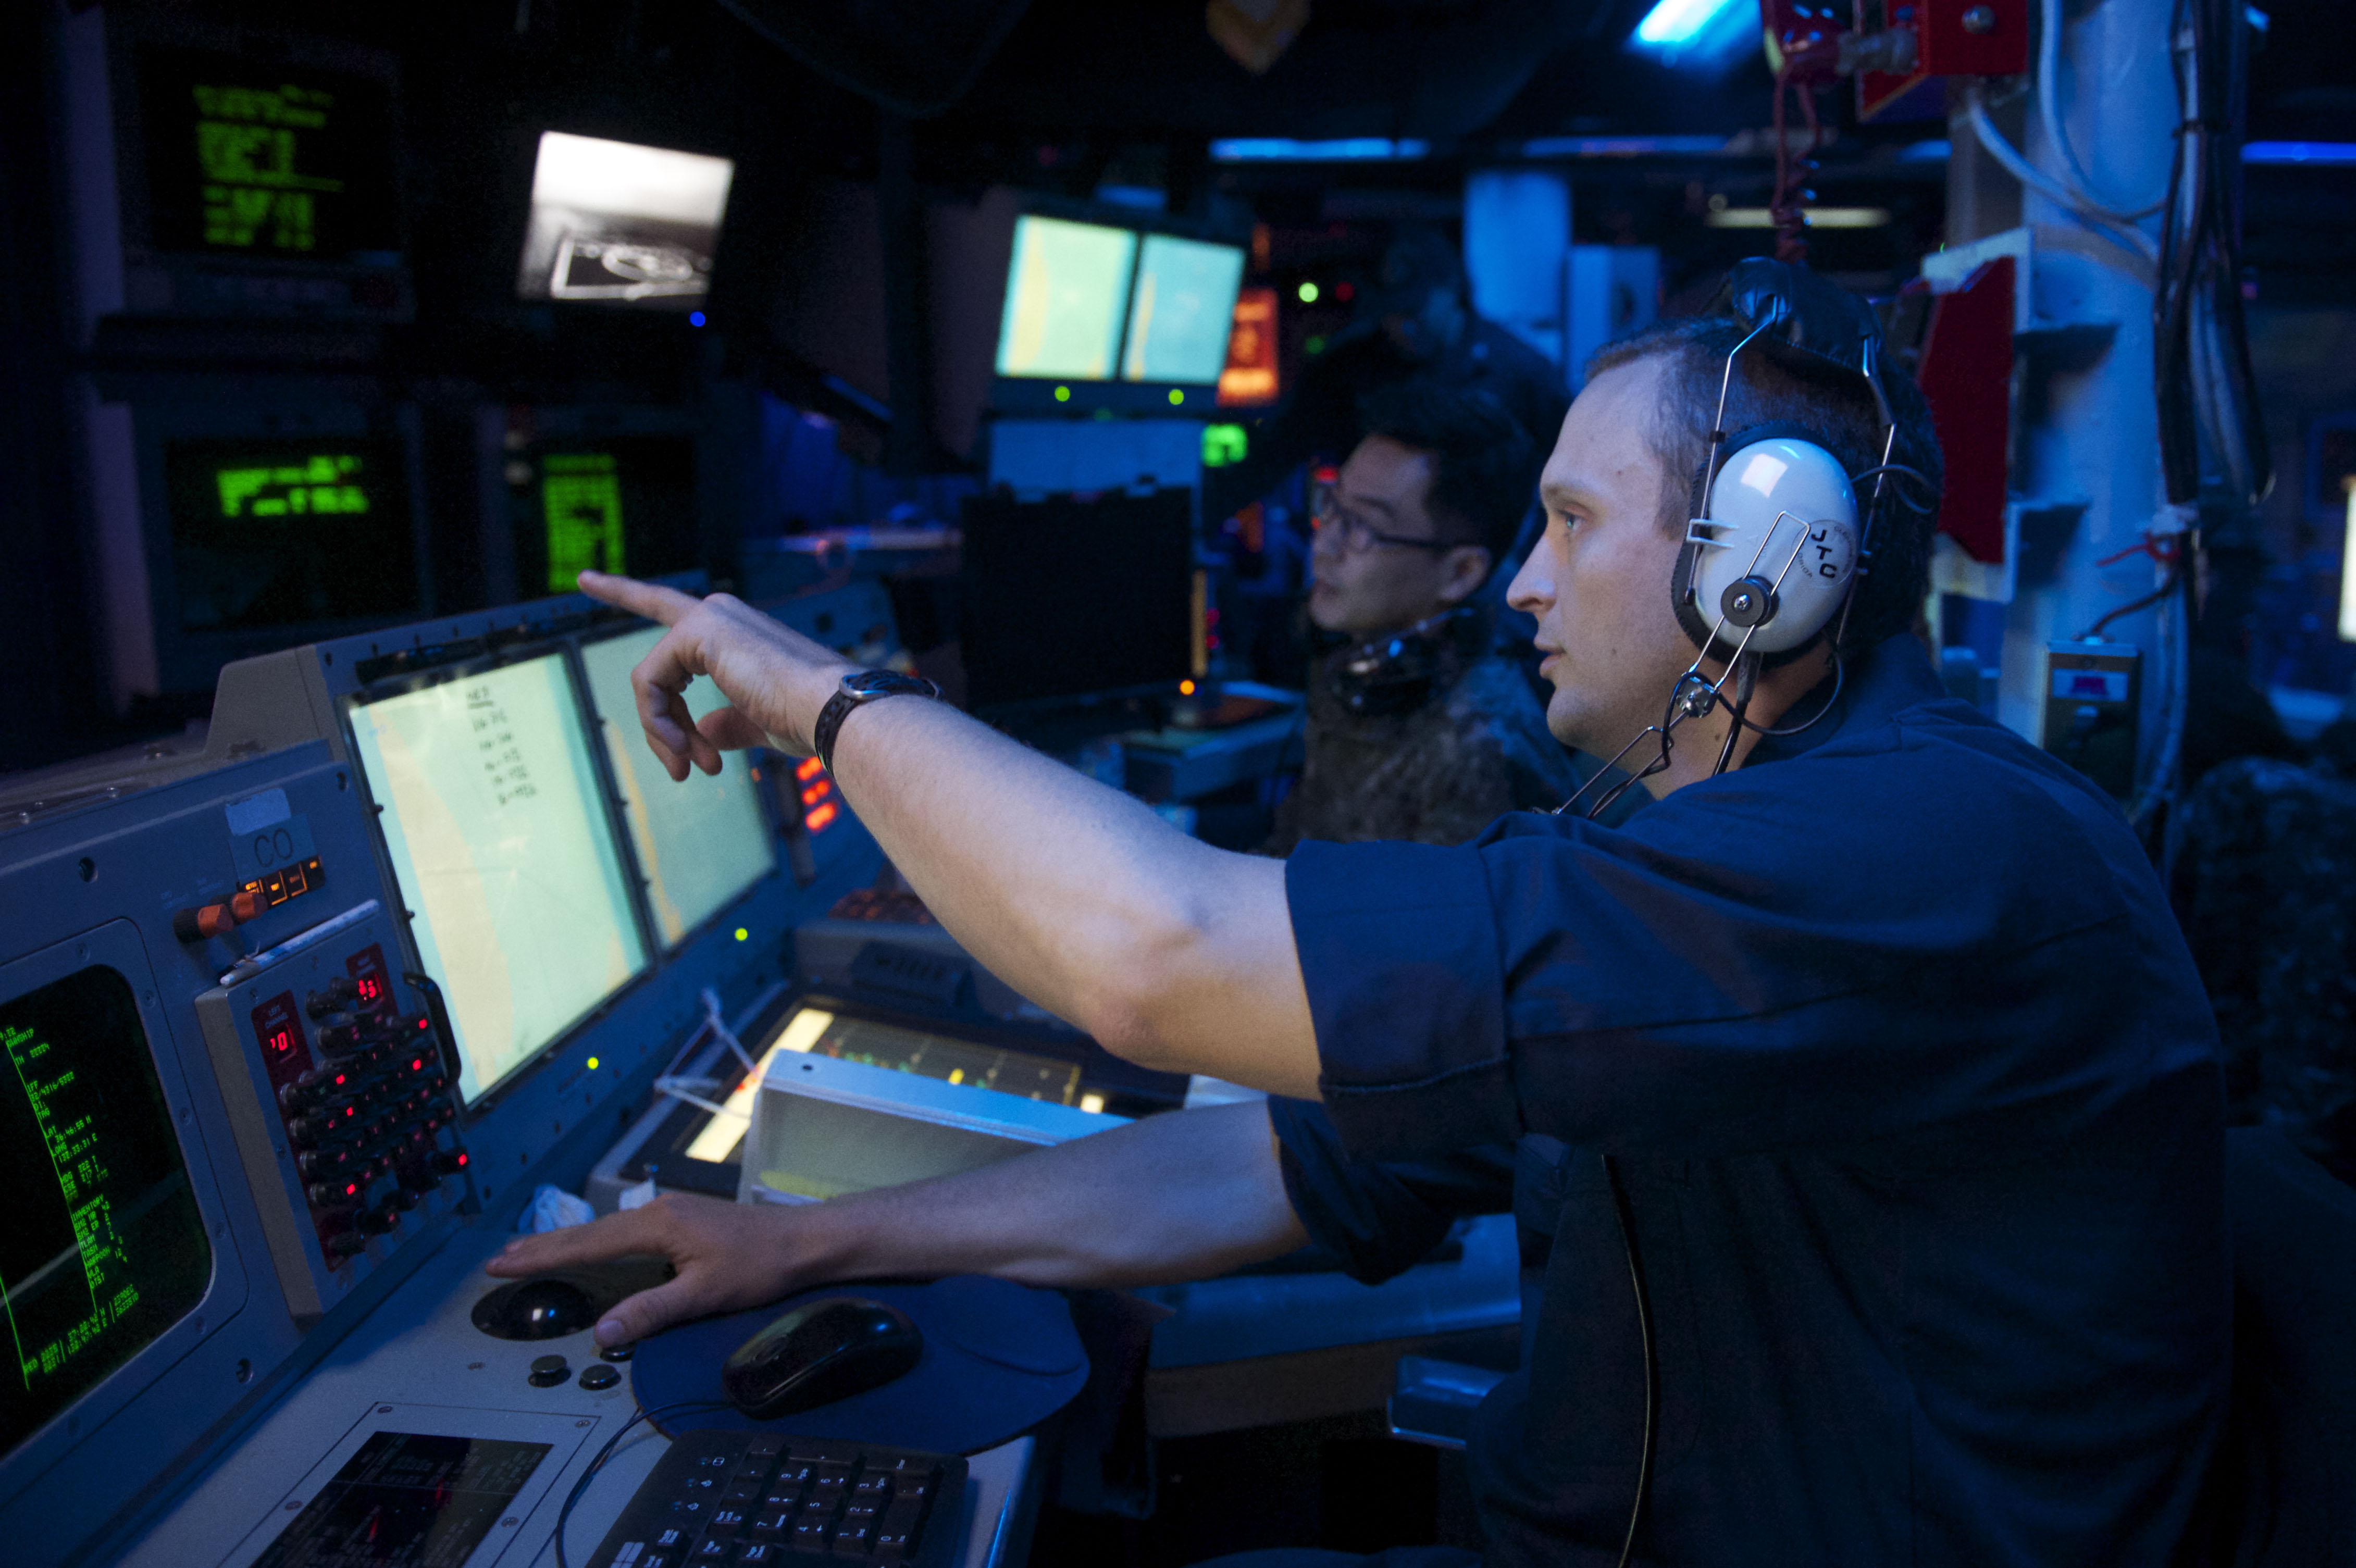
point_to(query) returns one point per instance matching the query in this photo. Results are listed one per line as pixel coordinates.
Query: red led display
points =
(367, 968)
(820, 817)
(808, 769)
(278, 1030)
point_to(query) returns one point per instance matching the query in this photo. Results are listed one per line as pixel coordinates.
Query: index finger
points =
(651, 600)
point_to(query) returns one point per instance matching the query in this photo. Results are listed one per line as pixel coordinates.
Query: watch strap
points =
(851, 695)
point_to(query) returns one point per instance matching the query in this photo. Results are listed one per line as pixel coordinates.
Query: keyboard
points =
(788, 1502)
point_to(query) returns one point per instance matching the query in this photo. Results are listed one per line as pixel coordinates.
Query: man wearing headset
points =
(1416, 727)
(1875, 1058)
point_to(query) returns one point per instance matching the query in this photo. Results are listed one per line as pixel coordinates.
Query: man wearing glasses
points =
(1415, 728)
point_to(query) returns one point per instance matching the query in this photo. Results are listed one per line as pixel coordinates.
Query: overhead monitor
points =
(105, 1248)
(1066, 296)
(617, 223)
(502, 851)
(273, 161)
(289, 532)
(1067, 597)
(700, 843)
(1181, 312)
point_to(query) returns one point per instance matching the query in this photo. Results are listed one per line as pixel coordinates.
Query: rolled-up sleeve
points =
(1399, 950)
(1379, 1219)
(1709, 980)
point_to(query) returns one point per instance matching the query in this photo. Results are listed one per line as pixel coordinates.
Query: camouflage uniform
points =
(2265, 885)
(1438, 773)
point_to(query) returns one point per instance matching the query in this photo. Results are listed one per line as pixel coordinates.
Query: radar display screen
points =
(1183, 311)
(250, 159)
(407, 1500)
(701, 842)
(1067, 295)
(284, 533)
(105, 1248)
(496, 827)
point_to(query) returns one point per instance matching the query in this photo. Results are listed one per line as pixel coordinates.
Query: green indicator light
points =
(743, 934)
(1223, 445)
(1308, 294)
(1315, 345)
(1176, 397)
(1063, 394)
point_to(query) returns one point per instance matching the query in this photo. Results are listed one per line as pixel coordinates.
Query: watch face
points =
(876, 682)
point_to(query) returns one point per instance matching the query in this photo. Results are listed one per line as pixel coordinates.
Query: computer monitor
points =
(1067, 292)
(260, 158)
(105, 1248)
(603, 503)
(1071, 596)
(314, 532)
(1181, 312)
(700, 843)
(619, 223)
(494, 822)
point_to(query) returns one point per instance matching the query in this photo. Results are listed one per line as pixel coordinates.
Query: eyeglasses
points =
(1352, 532)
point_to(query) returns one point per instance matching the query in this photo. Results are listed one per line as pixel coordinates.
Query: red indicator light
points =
(462, 1157)
(818, 792)
(808, 769)
(820, 817)
(422, 1023)
(351, 1187)
(351, 1110)
(418, 1065)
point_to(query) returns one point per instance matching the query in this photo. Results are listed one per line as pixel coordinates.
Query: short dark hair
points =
(1484, 465)
(1836, 406)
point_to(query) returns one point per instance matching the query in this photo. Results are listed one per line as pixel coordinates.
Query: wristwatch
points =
(864, 686)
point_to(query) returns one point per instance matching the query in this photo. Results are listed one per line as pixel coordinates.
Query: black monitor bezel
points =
(127, 37)
(117, 946)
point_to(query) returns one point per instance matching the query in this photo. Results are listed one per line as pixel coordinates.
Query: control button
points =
(319, 1164)
(375, 1222)
(307, 1132)
(345, 1245)
(338, 1033)
(599, 1377)
(624, 1352)
(403, 1199)
(333, 1195)
(550, 1370)
(340, 991)
(449, 1162)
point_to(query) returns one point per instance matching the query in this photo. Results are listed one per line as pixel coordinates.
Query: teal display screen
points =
(105, 1248)
(1183, 311)
(495, 823)
(700, 842)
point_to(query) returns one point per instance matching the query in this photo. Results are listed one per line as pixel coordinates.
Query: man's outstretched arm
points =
(1172, 954)
(1176, 1196)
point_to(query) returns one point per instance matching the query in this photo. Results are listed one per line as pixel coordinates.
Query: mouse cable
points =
(573, 1497)
(1652, 1362)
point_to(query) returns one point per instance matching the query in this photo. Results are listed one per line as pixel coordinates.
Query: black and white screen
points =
(104, 1248)
(616, 223)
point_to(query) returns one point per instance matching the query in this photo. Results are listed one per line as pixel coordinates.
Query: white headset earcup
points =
(1781, 511)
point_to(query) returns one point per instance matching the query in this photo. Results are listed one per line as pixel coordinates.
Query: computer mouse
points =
(539, 1308)
(820, 1352)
